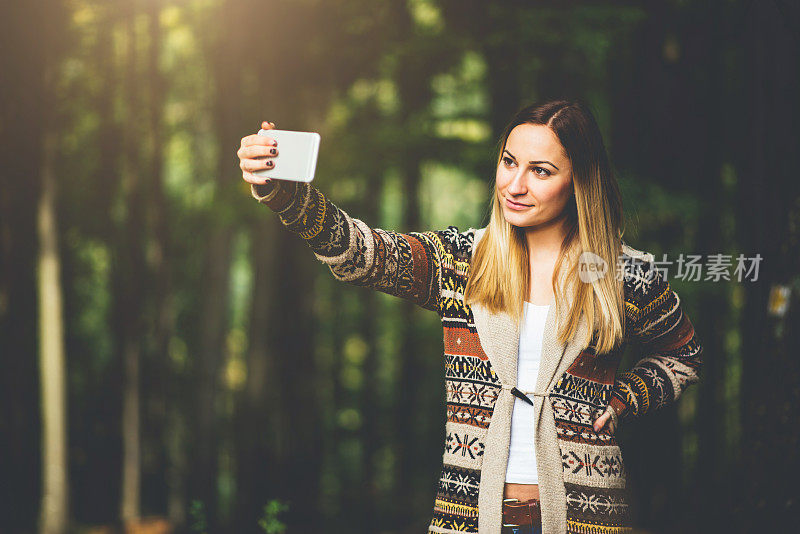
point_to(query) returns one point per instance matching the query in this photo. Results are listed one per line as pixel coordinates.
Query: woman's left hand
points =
(608, 417)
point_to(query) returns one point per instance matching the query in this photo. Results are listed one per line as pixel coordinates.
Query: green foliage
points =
(197, 514)
(269, 521)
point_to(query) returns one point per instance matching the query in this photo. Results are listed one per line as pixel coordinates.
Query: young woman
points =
(536, 308)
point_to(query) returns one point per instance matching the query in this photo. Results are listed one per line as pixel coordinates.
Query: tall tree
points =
(54, 511)
(130, 270)
(157, 374)
(104, 446)
(255, 449)
(225, 44)
(21, 126)
(707, 84)
(45, 61)
(769, 196)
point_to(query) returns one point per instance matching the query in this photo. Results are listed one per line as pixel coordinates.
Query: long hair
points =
(500, 271)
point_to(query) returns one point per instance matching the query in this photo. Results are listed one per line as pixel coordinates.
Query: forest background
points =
(171, 358)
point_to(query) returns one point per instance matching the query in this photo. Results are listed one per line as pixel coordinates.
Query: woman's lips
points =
(516, 206)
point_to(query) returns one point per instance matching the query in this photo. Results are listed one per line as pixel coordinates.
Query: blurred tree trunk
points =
(297, 464)
(23, 120)
(157, 375)
(255, 445)
(54, 511)
(501, 51)
(214, 323)
(769, 200)
(707, 87)
(54, 514)
(224, 47)
(97, 495)
(131, 271)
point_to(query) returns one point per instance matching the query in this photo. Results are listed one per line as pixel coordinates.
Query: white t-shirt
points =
(521, 467)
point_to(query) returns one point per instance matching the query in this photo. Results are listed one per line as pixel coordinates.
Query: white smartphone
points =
(297, 155)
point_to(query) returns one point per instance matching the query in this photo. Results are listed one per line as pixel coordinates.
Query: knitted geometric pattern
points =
(431, 269)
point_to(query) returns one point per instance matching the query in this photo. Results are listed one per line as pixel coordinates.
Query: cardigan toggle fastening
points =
(524, 395)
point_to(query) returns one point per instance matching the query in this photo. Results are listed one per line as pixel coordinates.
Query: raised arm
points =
(403, 265)
(672, 353)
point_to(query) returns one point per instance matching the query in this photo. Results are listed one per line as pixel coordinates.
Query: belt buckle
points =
(529, 508)
(516, 504)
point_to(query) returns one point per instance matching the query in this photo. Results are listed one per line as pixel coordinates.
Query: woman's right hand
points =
(256, 154)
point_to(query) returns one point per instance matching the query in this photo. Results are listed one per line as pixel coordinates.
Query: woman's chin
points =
(522, 223)
(516, 219)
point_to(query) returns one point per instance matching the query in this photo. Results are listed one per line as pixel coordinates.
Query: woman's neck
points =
(544, 240)
(544, 246)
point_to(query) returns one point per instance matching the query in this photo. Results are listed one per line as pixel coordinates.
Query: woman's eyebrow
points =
(532, 162)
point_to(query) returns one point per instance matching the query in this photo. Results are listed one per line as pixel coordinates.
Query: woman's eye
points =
(508, 161)
(537, 169)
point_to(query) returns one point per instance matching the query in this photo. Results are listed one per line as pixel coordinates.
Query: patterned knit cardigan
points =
(582, 476)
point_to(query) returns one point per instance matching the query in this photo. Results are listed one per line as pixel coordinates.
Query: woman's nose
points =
(517, 185)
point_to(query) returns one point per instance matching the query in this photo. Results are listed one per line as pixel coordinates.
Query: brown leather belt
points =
(522, 513)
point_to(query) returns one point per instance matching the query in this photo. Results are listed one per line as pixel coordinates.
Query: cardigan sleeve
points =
(671, 351)
(402, 265)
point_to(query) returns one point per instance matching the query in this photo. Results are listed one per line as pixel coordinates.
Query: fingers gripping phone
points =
(297, 155)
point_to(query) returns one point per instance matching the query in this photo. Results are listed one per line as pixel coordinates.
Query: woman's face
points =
(534, 177)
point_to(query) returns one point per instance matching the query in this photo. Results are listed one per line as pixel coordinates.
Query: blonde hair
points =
(500, 275)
